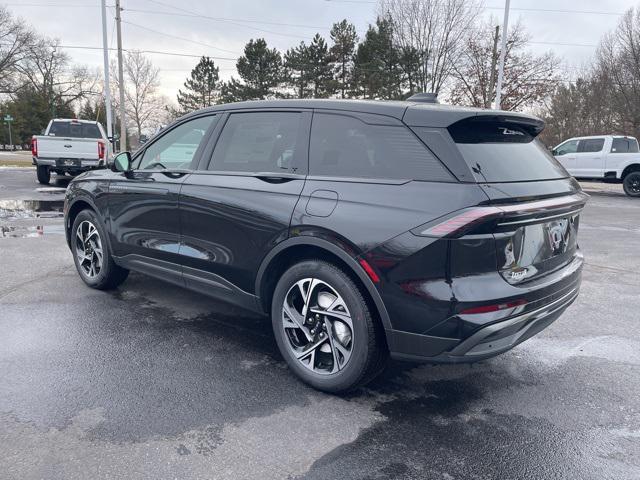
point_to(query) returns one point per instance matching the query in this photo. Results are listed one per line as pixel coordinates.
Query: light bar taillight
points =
(463, 220)
(493, 308)
(34, 147)
(101, 150)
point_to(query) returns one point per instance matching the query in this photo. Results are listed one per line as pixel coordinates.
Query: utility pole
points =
(107, 89)
(494, 61)
(123, 128)
(503, 53)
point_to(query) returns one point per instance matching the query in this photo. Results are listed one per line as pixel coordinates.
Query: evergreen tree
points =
(297, 66)
(260, 69)
(320, 68)
(202, 88)
(344, 38)
(377, 71)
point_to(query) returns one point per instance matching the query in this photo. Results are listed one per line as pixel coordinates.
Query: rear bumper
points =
(62, 164)
(486, 342)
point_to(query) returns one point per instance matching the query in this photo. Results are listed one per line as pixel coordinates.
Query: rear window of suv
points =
(504, 152)
(346, 146)
(75, 130)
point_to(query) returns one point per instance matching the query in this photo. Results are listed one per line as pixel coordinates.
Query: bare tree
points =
(48, 72)
(143, 104)
(528, 78)
(618, 61)
(435, 30)
(15, 39)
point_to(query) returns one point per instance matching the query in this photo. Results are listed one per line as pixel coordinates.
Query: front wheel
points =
(91, 253)
(44, 174)
(325, 329)
(631, 184)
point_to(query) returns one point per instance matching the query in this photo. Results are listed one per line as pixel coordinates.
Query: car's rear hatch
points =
(533, 205)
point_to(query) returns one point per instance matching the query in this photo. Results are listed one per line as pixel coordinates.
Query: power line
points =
(158, 52)
(180, 38)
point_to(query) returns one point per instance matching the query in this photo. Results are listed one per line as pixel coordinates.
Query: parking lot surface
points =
(152, 381)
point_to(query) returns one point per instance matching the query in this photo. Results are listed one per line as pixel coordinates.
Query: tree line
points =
(442, 46)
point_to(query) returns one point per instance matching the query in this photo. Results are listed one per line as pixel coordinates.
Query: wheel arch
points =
(634, 167)
(77, 205)
(300, 248)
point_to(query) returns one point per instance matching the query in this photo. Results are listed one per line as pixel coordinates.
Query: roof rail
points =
(424, 98)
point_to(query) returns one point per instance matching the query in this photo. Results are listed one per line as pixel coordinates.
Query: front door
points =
(239, 205)
(566, 155)
(143, 203)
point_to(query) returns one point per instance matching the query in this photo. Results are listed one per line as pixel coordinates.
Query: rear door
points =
(589, 159)
(143, 204)
(238, 204)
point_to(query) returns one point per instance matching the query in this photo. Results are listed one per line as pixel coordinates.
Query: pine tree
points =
(260, 69)
(202, 88)
(320, 68)
(297, 66)
(344, 38)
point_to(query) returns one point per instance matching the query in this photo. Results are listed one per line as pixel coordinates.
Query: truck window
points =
(567, 147)
(624, 145)
(74, 130)
(591, 145)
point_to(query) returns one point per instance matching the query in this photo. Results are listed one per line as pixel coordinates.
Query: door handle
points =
(275, 178)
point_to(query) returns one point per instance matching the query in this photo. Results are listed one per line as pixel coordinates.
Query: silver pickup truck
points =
(69, 146)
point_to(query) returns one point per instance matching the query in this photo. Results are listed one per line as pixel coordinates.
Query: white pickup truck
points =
(69, 146)
(611, 158)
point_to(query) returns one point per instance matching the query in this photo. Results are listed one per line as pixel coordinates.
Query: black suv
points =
(363, 228)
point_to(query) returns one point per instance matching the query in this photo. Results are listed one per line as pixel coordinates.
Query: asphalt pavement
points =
(153, 381)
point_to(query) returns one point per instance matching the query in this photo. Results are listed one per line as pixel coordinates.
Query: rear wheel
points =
(91, 253)
(325, 329)
(43, 173)
(631, 184)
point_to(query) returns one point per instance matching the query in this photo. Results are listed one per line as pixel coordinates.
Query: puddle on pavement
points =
(12, 231)
(16, 209)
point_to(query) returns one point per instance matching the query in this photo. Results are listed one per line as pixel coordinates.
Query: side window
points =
(176, 148)
(624, 145)
(260, 142)
(591, 145)
(567, 147)
(343, 146)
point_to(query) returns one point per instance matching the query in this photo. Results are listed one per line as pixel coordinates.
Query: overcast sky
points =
(78, 23)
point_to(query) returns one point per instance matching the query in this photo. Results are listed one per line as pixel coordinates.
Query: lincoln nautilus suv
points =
(363, 229)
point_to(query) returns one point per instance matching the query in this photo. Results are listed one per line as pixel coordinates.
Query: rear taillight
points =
(101, 149)
(34, 147)
(463, 221)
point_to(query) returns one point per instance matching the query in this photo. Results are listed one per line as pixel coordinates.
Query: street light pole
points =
(123, 127)
(107, 89)
(503, 53)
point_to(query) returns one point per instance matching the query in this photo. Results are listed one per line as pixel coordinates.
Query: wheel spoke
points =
(312, 347)
(345, 317)
(292, 319)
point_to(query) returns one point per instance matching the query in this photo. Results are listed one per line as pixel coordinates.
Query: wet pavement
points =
(152, 381)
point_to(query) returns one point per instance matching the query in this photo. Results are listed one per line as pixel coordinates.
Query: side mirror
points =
(122, 162)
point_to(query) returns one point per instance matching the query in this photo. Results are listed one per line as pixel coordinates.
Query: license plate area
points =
(69, 162)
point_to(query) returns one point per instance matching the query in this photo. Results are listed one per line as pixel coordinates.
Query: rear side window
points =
(260, 142)
(504, 152)
(624, 145)
(74, 130)
(343, 146)
(591, 145)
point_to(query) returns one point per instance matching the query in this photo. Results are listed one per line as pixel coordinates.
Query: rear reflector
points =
(367, 268)
(101, 150)
(493, 308)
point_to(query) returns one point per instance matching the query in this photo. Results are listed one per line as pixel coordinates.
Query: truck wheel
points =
(631, 184)
(44, 175)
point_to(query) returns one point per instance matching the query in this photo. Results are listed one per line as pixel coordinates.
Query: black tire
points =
(43, 173)
(631, 184)
(109, 275)
(368, 349)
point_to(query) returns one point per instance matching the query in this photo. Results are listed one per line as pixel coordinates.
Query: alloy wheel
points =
(318, 326)
(89, 249)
